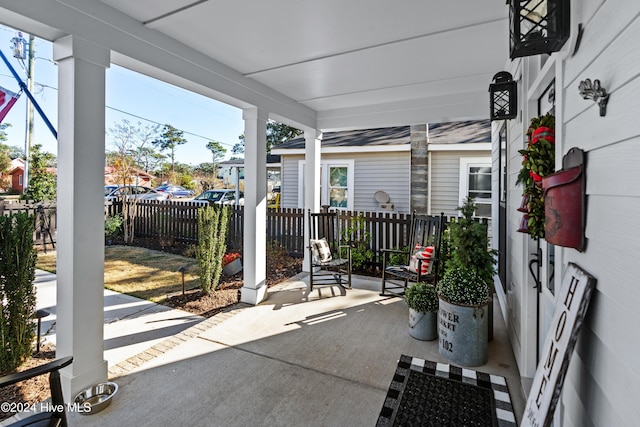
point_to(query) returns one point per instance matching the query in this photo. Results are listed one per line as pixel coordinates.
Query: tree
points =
(42, 185)
(277, 133)
(129, 140)
(239, 147)
(133, 148)
(3, 134)
(5, 157)
(170, 139)
(205, 168)
(217, 151)
(149, 159)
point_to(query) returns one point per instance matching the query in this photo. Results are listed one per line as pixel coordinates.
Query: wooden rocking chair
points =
(57, 415)
(330, 261)
(426, 232)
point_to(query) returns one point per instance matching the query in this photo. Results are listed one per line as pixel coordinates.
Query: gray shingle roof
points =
(356, 138)
(468, 132)
(472, 131)
(271, 158)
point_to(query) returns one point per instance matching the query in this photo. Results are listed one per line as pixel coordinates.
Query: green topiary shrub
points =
(463, 286)
(213, 222)
(467, 244)
(17, 295)
(422, 297)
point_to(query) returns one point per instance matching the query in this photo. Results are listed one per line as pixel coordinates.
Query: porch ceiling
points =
(332, 64)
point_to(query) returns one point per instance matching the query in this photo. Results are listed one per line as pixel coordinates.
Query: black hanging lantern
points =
(503, 97)
(538, 26)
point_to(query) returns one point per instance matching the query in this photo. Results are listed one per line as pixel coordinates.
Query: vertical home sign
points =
(571, 307)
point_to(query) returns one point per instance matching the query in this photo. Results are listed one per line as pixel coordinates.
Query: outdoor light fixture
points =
(503, 97)
(182, 270)
(538, 26)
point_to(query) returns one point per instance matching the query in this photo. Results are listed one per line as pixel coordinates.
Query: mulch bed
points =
(31, 391)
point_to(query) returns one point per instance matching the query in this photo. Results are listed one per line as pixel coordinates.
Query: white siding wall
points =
(289, 187)
(390, 172)
(603, 384)
(602, 387)
(445, 179)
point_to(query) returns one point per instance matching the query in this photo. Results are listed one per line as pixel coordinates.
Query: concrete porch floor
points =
(322, 359)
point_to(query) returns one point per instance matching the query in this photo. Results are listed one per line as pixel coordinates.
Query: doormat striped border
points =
(410, 401)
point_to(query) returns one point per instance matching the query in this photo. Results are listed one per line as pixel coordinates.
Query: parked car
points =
(175, 190)
(221, 197)
(139, 192)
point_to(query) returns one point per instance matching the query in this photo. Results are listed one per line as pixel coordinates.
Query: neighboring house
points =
(361, 169)
(137, 177)
(13, 179)
(231, 171)
(16, 172)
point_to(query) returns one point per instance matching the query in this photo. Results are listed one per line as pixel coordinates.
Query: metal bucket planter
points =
(463, 333)
(423, 326)
(234, 267)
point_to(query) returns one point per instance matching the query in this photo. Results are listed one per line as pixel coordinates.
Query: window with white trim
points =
(336, 183)
(475, 181)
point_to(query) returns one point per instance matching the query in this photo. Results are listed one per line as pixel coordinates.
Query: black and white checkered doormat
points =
(436, 394)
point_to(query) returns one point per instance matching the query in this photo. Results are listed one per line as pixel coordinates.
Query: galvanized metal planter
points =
(234, 267)
(463, 333)
(423, 326)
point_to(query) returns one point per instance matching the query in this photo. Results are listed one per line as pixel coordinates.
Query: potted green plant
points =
(464, 313)
(422, 300)
(465, 291)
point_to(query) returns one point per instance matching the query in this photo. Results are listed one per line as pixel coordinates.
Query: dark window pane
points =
(480, 182)
(483, 209)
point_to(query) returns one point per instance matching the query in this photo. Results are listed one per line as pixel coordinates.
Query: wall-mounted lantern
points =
(538, 26)
(503, 97)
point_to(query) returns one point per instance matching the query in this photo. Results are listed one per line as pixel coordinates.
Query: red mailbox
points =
(564, 202)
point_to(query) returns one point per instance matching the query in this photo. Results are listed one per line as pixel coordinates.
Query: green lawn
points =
(140, 272)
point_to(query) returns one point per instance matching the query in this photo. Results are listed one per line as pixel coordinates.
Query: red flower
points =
(535, 176)
(228, 257)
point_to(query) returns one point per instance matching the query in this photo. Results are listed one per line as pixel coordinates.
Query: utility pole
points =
(19, 46)
(29, 131)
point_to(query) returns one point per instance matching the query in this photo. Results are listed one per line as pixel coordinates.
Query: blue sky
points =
(130, 96)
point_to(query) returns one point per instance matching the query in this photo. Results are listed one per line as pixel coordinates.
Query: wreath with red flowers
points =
(538, 161)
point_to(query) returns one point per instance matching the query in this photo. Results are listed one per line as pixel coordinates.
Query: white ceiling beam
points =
(439, 109)
(164, 57)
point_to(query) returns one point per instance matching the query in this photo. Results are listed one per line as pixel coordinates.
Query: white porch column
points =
(313, 139)
(254, 259)
(81, 159)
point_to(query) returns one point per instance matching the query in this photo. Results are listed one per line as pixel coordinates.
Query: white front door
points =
(546, 293)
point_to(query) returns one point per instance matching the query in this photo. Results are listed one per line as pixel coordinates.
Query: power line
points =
(136, 116)
(162, 124)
